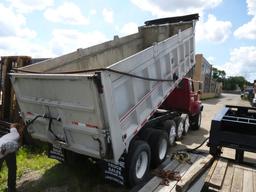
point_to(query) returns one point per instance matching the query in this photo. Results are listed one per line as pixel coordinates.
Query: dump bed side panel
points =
(71, 101)
(133, 100)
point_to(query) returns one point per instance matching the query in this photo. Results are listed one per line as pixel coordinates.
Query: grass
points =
(28, 159)
(46, 174)
(54, 176)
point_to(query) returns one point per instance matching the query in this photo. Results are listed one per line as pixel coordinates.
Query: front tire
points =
(138, 161)
(195, 121)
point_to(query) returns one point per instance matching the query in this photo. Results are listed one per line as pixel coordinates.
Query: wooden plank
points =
(218, 174)
(248, 181)
(245, 167)
(182, 169)
(211, 189)
(155, 181)
(254, 181)
(228, 178)
(237, 183)
(209, 175)
(193, 172)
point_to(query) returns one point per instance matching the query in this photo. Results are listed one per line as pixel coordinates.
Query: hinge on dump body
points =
(97, 80)
(109, 152)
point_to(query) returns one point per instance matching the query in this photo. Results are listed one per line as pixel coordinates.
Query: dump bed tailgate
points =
(70, 102)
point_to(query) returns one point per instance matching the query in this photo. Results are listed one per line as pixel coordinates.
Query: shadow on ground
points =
(195, 137)
(81, 177)
(213, 101)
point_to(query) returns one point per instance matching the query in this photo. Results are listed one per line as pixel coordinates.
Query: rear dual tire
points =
(159, 147)
(186, 125)
(179, 128)
(170, 128)
(138, 160)
(142, 154)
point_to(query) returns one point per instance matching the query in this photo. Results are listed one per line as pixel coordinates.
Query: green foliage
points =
(231, 83)
(218, 75)
(49, 175)
(28, 159)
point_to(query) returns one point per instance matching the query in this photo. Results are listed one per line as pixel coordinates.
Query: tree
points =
(218, 75)
(231, 83)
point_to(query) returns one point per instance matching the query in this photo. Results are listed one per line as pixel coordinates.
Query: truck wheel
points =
(195, 121)
(138, 162)
(179, 128)
(159, 147)
(146, 133)
(170, 128)
(186, 125)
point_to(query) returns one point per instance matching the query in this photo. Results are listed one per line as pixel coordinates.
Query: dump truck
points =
(121, 102)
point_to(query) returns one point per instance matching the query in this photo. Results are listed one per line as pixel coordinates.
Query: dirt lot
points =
(88, 177)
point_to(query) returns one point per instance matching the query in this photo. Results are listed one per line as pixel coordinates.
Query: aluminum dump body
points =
(98, 110)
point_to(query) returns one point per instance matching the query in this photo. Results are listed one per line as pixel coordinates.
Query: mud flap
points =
(115, 172)
(56, 152)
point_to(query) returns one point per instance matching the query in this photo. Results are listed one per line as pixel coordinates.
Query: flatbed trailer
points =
(233, 127)
(228, 175)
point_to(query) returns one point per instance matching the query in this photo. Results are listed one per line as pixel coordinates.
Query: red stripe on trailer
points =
(75, 123)
(143, 123)
(29, 113)
(152, 112)
(91, 126)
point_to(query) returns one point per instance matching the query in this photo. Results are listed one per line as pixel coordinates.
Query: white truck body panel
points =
(91, 119)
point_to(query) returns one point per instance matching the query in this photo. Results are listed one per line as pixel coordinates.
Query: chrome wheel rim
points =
(141, 164)
(162, 149)
(180, 130)
(172, 135)
(199, 120)
(186, 125)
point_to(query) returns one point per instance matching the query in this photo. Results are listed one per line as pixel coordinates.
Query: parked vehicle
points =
(121, 102)
(247, 94)
(254, 101)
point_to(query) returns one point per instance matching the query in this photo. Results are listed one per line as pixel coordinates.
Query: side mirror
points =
(199, 92)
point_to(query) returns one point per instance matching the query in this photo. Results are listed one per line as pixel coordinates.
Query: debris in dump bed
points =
(182, 157)
(167, 176)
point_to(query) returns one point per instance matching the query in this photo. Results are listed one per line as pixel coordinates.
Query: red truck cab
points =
(186, 100)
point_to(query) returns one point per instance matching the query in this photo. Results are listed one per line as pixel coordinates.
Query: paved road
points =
(211, 108)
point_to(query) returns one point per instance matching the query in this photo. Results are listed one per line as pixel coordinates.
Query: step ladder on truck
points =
(122, 102)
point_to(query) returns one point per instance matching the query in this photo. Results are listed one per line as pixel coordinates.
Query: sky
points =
(225, 32)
